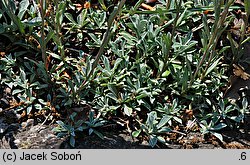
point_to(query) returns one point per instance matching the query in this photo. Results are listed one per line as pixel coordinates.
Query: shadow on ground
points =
(29, 136)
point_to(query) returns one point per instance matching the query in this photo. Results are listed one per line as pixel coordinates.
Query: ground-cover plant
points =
(223, 115)
(143, 68)
(76, 126)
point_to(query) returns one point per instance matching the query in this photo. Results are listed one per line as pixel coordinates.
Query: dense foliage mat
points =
(154, 69)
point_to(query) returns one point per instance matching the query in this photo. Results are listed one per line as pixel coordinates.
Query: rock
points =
(207, 146)
(235, 145)
(17, 141)
(3, 127)
(32, 138)
(18, 116)
(9, 116)
(4, 103)
(174, 146)
(7, 90)
(28, 123)
(145, 143)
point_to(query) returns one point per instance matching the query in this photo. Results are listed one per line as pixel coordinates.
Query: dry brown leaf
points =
(65, 74)
(239, 71)
(147, 7)
(2, 54)
(87, 5)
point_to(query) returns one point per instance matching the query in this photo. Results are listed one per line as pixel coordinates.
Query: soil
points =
(28, 135)
(31, 134)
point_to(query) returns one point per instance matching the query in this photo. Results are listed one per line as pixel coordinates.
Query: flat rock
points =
(38, 137)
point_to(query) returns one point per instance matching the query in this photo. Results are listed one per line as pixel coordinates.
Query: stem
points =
(168, 4)
(43, 45)
(137, 5)
(105, 40)
(166, 56)
(106, 36)
(58, 27)
(212, 42)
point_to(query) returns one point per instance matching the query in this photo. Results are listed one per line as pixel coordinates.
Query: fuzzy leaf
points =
(219, 126)
(17, 91)
(165, 130)
(29, 109)
(163, 121)
(218, 135)
(70, 18)
(72, 141)
(166, 73)
(23, 6)
(247, 6)
(151, 118)
(100, 135)
(136, 133)
(152, 140)
(213, 66)
(127, 110)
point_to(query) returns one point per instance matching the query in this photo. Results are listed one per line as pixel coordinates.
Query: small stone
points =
(28, 123)
(42, 131)
(175, 146)
(51, 136)
(7, 90)
(145, 143)
(2, 130)
(191, 137)
(18, 116)
(34, 129)
(17, 141)
(3, 127)
(23, 124)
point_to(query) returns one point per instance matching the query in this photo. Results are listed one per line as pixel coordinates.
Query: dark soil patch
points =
(29, 136)
(32, 135)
